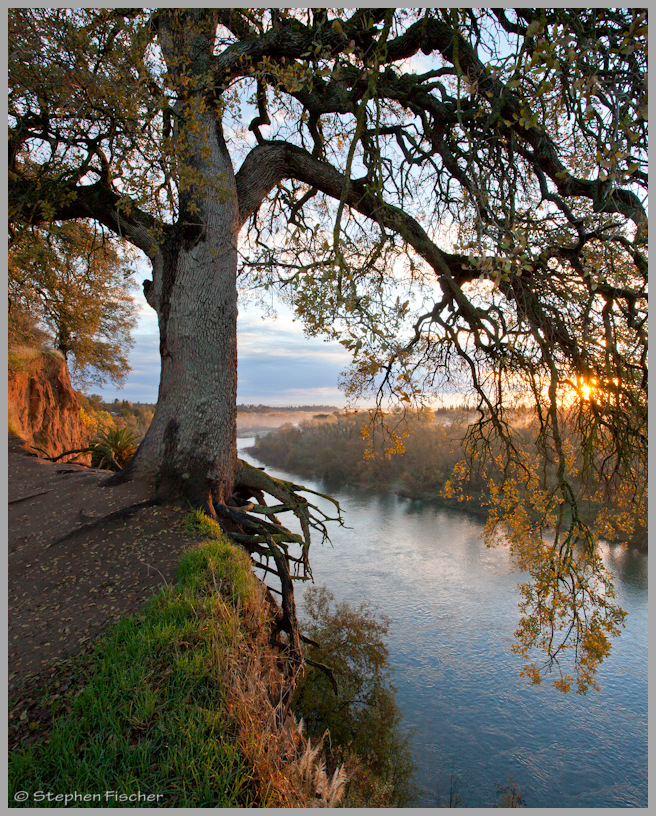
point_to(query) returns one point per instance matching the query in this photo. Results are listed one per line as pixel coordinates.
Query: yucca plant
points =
(113, 448)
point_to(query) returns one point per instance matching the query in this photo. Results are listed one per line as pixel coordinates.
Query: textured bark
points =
(190, 448)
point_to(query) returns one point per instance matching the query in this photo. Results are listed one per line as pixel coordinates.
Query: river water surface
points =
(453, 607)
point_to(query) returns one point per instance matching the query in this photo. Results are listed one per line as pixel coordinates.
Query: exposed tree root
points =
(77, 451)
(29, 496)
(274, 548)
(253, 523)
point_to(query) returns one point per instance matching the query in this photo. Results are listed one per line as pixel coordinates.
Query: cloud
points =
(284, 379)
(278, 364)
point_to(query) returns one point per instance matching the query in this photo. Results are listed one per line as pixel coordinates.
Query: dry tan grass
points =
(288, 770)
(309, 770)
(23, 356)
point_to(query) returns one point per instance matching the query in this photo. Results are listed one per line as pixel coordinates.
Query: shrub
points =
(113, 448)
(362, 718)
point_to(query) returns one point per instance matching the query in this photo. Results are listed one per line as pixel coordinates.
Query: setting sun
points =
(586, 388)
(399, 255)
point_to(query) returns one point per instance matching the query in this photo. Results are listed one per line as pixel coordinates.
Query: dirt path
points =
(63, 593)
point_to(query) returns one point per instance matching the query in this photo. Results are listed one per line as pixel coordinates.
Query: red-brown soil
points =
(43, 406)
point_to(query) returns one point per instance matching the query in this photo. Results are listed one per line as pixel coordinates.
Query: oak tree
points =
(77, 284)
(458, 195)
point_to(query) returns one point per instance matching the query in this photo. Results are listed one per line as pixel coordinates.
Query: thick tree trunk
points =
(190, 449)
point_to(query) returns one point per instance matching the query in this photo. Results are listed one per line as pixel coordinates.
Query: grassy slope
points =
(156, 713)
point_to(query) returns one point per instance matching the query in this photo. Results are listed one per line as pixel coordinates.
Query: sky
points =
(278, 364)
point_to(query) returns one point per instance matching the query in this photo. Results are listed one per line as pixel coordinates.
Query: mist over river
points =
(453, 607)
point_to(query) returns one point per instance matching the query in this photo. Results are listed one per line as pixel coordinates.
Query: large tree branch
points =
(289, 40)
(435, 35)
(342, 94)
(535, 144)
(95, 201)
(269, 163)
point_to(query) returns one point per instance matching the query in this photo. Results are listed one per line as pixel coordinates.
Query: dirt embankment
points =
(44, 410)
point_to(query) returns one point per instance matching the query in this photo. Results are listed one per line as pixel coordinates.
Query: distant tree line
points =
(414, 458)
(428, 455)
(269, 409)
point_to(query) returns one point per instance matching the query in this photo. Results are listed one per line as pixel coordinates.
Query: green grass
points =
(152, 717)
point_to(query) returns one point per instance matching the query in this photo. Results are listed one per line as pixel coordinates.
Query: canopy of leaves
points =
(77, 285)
(458, 195)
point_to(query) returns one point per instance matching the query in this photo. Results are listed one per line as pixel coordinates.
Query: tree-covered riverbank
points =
(342, 450)
(424, 455)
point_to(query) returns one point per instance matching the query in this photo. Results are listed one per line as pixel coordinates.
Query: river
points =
(453, 607)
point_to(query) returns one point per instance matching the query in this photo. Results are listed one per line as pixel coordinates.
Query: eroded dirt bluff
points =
(43, 409)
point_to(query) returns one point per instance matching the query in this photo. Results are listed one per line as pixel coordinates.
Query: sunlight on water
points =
(453, 605)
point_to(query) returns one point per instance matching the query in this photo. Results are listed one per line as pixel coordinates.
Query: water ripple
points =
(453, 609)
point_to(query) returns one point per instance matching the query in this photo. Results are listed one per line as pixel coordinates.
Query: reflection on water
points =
(453, 605)
(629, 565)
